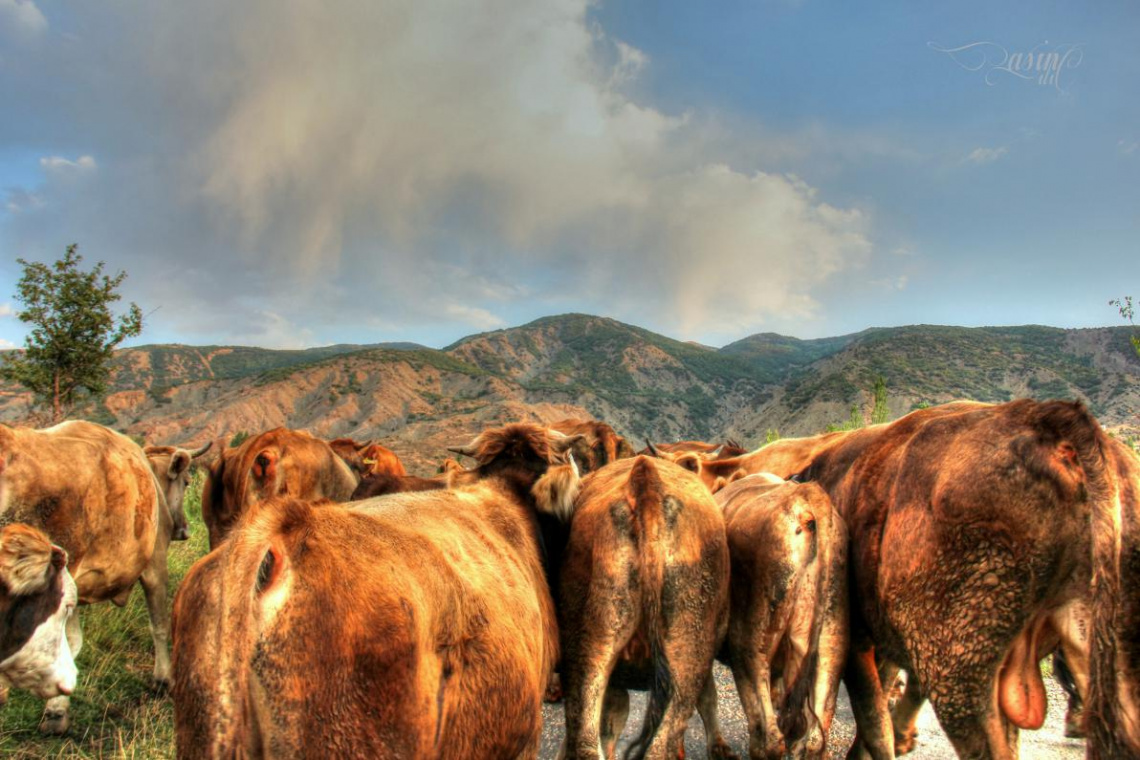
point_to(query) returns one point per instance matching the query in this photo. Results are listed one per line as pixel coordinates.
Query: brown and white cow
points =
(418, 625)
(368, 458)
(277, 462)
(93, 492)
(974, 529)
(644, 604)
(171, 465)
(37, 599)
(788, 627)
(602, 444)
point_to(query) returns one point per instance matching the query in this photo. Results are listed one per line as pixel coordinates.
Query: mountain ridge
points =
(420, 399)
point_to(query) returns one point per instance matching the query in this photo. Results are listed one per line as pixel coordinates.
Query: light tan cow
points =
(171, 465)
(93, 492)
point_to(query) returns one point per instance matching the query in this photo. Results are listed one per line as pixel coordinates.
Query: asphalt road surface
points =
(1048, 743)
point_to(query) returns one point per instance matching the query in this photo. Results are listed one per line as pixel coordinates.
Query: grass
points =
(114, 711)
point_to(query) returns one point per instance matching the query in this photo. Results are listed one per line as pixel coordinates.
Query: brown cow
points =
(92, 490)
(37, 600)
(970, 541)
(276, 462)
(171, 465)
(603, 445)
(726, 450)
(644, 604)
(418, 625)
(368, 458)
(788, 627)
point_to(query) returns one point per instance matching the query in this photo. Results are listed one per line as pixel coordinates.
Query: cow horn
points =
(716, 452)
(201, 451)
(364, 445)
(652, 449)
(466, 451)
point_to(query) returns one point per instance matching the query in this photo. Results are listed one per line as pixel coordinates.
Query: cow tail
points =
(795, 714)
(1064, 423)
(645, 496)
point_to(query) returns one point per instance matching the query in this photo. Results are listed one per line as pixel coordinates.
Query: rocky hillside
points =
(420, 400)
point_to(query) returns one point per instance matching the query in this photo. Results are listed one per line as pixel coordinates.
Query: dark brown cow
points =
(276, 462)
(788, 622)
(93, 492)
(603, 445)
(384, 484)
(368, 458)
(171, 465)
(644, 604)
(970, 542)
(413, 626)
(37, 600)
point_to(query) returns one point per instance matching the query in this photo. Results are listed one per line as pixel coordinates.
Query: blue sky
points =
(277, 174)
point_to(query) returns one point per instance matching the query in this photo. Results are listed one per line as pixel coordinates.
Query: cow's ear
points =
(362, 446)
(179, 463)
(272, 565)
(690, 462)
(26, 555)
(265, 465)
(557, 490)
(560, 446)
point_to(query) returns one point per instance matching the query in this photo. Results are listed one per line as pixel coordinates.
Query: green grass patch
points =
(114, 711)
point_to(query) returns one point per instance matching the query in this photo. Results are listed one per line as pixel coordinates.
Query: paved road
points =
(1048, 743)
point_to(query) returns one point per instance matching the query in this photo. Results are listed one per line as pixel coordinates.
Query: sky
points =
(287, 174)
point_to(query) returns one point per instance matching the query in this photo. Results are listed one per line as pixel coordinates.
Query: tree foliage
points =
(880, 413)
(74, 333)
(1124, 306)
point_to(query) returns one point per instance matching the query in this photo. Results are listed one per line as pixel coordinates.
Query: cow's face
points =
(37, 601)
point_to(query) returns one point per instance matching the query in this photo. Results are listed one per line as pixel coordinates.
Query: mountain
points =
(420, 400)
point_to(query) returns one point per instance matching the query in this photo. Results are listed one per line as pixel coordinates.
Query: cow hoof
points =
(553, 693)
(1073, 727)
(55, 724)
(720, 750)
(160, 686)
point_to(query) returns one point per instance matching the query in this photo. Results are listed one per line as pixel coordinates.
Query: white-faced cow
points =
(37, 598)
(93, 492)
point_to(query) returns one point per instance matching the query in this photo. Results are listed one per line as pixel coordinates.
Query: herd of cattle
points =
(347, 608)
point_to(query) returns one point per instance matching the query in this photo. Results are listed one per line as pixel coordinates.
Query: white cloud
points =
(986, 155)
(6, 344)
(22, 17)
(1128, 147)
(6, 310)
(17, 200)
(61, 165)
(425, 161)
(892, 283)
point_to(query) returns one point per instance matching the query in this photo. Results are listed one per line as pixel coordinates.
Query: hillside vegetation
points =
(647, 385)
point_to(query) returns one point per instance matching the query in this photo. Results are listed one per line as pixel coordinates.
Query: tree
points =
(880, 413)
(1124, 306)
(74, 333)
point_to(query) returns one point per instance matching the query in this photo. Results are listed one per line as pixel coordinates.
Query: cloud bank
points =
(277, 171)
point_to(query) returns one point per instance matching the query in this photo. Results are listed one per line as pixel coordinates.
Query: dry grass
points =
(114, 711)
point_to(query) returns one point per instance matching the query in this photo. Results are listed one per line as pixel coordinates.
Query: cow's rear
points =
(644, 597)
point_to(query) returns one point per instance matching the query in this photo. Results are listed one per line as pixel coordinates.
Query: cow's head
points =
(37, 597)
(171, 466)
(521, 452)
(352, 452)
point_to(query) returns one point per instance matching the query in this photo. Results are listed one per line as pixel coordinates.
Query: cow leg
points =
(714, 739)
(874, 737)
(153, 580)
(615, 712)
(753, 677)
(904, 716)
(590, 656)
(57, 716)
(689, 660)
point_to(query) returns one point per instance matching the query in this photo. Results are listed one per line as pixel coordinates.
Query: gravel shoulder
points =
(1048, 743)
